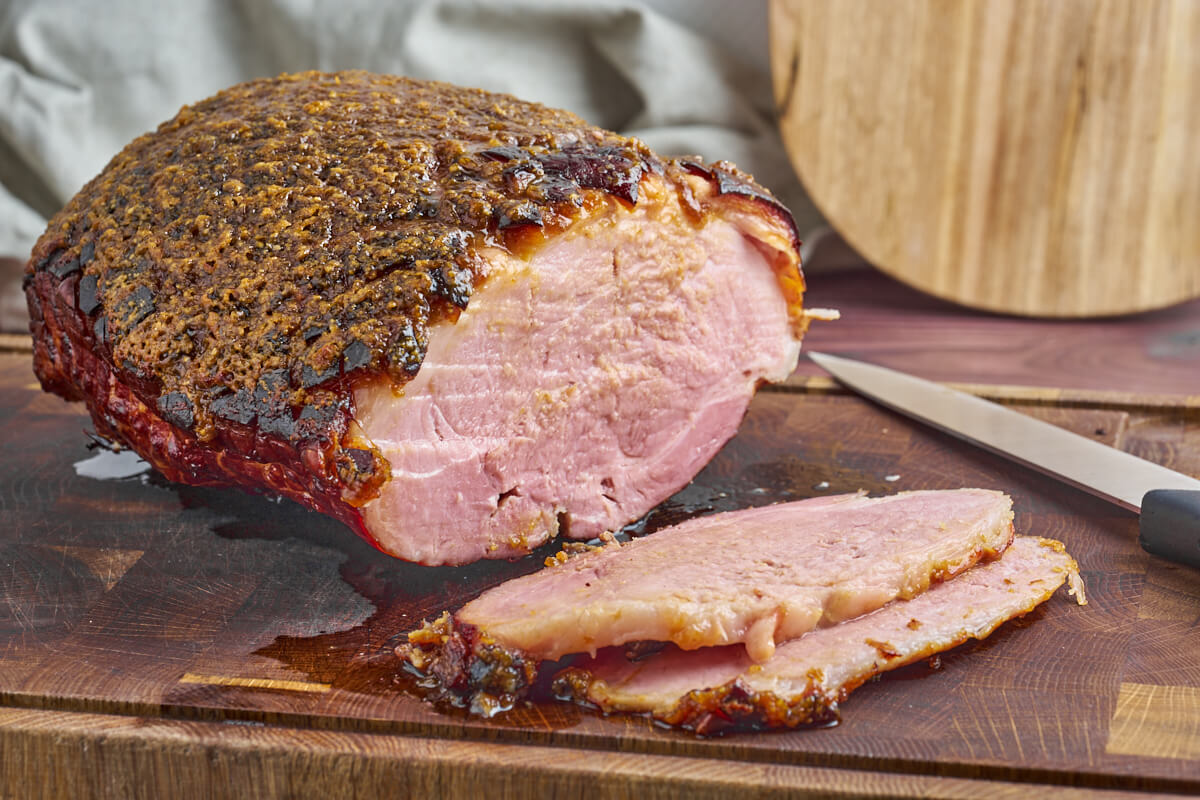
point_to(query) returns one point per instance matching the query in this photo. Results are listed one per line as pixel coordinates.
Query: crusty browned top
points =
(283, 233)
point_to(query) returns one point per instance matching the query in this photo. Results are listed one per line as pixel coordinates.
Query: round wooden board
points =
(1037, 158)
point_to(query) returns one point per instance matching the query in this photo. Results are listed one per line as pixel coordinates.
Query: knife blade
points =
(1168, 501)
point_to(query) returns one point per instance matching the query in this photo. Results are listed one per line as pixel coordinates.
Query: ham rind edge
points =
(719, 689)
(755, 576)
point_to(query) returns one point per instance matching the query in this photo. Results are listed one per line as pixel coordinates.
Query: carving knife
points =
(1168, 501)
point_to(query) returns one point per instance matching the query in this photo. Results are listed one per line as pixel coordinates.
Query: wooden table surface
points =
(159, 640)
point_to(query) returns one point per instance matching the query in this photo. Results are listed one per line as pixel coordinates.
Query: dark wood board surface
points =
(137, 611)
(1150, 354)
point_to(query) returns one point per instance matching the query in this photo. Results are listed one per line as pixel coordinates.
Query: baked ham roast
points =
(804, 682)
(458, 322)
(749, 578)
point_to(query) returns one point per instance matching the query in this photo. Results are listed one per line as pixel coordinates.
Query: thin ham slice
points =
(806, 679)
(757, 576)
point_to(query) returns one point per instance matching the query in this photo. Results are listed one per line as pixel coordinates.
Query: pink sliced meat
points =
(583, 385)
(711, 689)
(755, 576)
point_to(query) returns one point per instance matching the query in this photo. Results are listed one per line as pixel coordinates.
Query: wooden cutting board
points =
(160, 640)
(1019, 156)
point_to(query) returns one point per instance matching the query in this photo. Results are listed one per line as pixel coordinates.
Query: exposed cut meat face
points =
(754, 577)
(456, 321)
(712, 689)
(587, 384)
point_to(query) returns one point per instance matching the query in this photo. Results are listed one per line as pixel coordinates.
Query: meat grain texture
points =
(458, 322)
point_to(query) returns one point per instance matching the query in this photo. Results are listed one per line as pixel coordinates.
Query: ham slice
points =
(757, 576)
(806, 679)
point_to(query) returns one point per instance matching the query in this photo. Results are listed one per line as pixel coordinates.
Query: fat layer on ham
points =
(808, 677)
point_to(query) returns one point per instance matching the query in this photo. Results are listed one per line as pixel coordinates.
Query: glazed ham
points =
(805, 680)
(456, 321)
(753, 578)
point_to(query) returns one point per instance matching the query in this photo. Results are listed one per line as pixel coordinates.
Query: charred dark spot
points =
(360, 469)
(271, 396)
(558, 189)
(405, 354)
(508, 152)
(271, 386)
(730, 183)
(734, 184)
(453, 284)
(363, 460)
(696, 168)
(176, 409)
(135, 369)
(136, 306)
(312, 332)
(139, 267)
(425, 205)
(520, 214)
(89, 297)
(319, 413)
(87, 252)
(43, 265)
(309, 377)
(608, 168)
(356, 355)
(279, 423)
(100, 329)
(517, 177)
(236, 407)
(315, 420)
(61, 265)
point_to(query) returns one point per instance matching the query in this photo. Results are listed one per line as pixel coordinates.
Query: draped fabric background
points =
(79, 79)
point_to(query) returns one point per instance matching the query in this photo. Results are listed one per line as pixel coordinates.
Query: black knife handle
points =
(1170, 525)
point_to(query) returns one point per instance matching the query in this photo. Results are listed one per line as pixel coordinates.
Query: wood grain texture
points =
(1157, 721)
(97, 756)
(1022, 156)
(229, 640)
